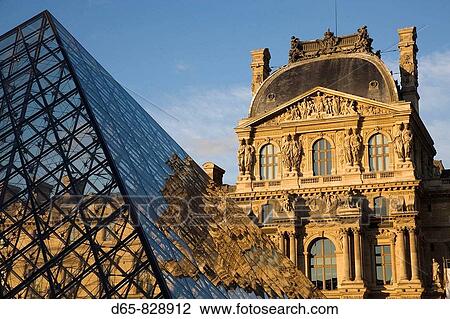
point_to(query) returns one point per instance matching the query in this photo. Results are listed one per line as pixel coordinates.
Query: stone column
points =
(345, 255)
(281, 241)
(393, 258)
(306, 256)
(292, 250)
(413, 250)
(400, 247)
(357, 238)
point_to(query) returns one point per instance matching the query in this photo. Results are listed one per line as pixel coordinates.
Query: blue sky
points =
(191, 58)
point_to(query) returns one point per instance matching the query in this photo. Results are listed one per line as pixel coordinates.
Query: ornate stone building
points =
(337, 168)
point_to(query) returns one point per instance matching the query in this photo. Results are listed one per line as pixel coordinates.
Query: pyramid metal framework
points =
(73, 177)
(87, 191)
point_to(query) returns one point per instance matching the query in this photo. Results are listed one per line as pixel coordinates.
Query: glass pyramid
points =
(98, 201)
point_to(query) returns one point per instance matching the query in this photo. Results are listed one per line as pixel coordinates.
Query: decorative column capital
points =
(411, 229)
(393, 236)
(400, 229)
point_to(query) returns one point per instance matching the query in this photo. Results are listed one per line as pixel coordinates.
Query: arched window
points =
(380, 206)
(322, 264)
(378, 153)
(268, 161)
(322, 158)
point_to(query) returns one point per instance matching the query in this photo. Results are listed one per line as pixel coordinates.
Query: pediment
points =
(322, 103)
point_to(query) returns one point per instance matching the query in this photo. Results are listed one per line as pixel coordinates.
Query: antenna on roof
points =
(335, 18)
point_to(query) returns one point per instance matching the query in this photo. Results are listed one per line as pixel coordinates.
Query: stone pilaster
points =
(400, 249)
(414, 258)
(358, 265)
(292, 248)
(281, 243)
(345, 256)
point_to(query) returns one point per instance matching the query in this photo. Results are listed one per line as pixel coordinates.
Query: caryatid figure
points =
(407, 138)
(286, 152)
(355, 145)
(296, 154)
(348, 147)
(249, 157)
(241, 157)
(398, 141)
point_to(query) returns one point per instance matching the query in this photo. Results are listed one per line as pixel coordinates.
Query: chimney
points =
(214, 172)
(408, 66)
(260, 67)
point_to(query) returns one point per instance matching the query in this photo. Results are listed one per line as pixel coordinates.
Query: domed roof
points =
(361, 74)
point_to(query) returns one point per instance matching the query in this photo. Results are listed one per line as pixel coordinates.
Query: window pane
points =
(322, 264)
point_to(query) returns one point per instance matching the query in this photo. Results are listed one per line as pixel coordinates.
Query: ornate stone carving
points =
(241, 157)
(322, 105)
(291, 153)
(287, 204)
(323, 203)
(407, 70)
(295, 52)
(246, 157)
(403, 140)
(350, 199)
(407, 141)
(249, 158)
(363, 42)
(436, 274)
(352, 147)
(329, 44)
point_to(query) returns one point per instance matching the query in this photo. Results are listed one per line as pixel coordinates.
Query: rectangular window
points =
(383, 265)
(380, 206)
(267, 213)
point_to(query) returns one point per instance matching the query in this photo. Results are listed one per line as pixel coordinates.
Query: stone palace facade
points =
(338, 169)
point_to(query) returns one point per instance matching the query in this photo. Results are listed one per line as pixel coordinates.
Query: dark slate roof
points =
(353, 75)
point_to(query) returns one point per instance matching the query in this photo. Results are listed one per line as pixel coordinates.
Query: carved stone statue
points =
(352, 147)
(291, 153)
(328, 42)
(287, 204)
(295, 52)
(398, 141)
(355, 144)
(296, 154)
(407, 138)
(363, 43)
(241, 157)
(348, 147)
(436, 274)
(286, 153)
(403, 139)
(318, 103)
(249, 157)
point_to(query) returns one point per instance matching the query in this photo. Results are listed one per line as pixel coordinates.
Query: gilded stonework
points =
(353, 183)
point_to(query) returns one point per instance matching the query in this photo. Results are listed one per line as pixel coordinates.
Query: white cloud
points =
(182, 67)
(434, 90)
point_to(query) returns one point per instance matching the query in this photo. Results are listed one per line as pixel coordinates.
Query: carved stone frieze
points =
(323, 105)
